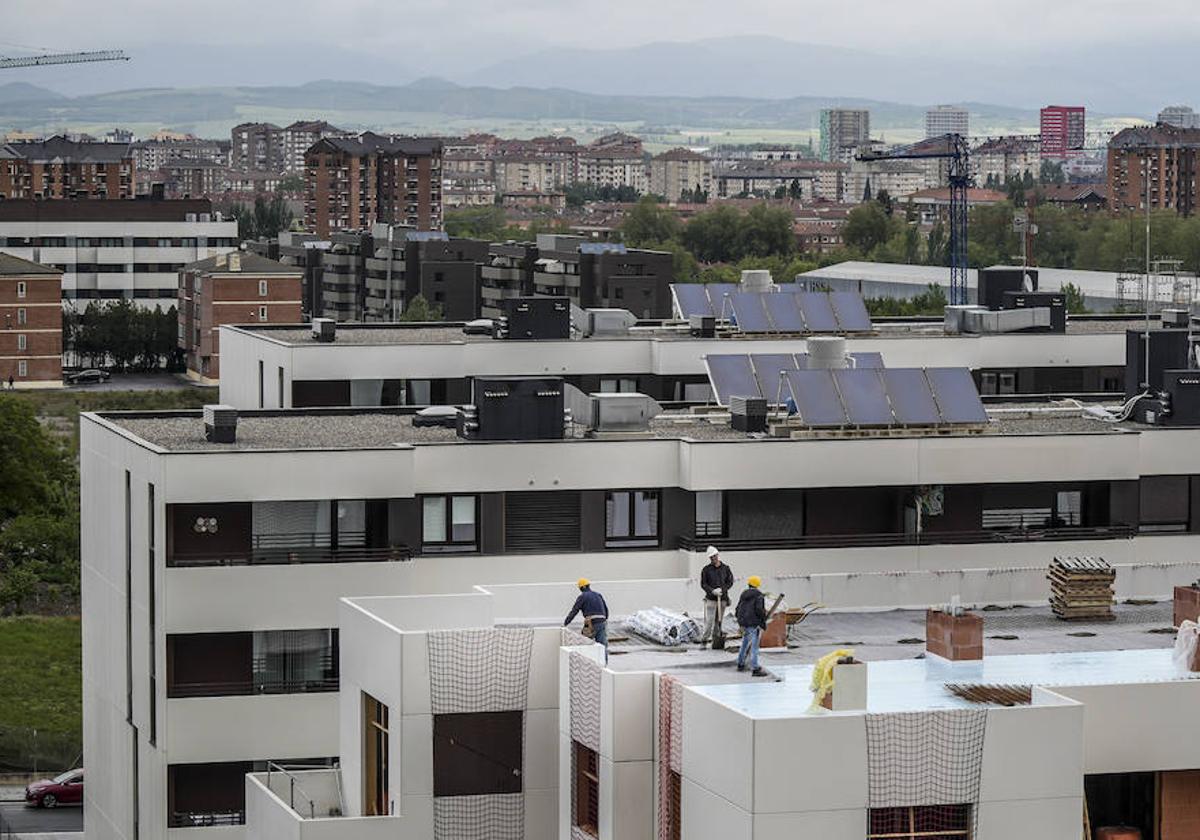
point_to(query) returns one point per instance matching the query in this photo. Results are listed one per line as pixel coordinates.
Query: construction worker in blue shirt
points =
(595, 613)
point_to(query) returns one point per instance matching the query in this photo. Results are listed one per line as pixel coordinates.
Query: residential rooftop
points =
(385, 428)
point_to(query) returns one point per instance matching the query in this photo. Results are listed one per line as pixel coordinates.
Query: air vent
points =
(220, 423)
(324, 330)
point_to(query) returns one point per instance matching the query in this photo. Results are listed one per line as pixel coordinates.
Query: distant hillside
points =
(182, 106)
(24, 92)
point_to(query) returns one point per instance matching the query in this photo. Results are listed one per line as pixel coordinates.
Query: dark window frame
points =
(631, 539)
(449, 545)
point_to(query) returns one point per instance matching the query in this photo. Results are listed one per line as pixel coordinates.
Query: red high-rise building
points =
(1063, 128)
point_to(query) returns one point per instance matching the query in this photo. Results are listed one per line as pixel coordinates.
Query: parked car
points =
(63, 789)
(85, 377)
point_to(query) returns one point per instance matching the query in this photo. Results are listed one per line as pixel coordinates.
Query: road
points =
(137, 382)
(24, 820)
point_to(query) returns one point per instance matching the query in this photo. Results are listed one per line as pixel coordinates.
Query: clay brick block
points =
(954, 637)
(1187, 604)
(775, 636)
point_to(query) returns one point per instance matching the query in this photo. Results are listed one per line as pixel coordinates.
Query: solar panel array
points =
(865, 396)
(787, 309)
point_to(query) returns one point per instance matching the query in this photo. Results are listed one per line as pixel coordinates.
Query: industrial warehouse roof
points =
(384, 428)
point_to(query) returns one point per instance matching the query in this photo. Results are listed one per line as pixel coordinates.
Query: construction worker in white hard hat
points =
(716, 579)
(752, 618)
(595, 613)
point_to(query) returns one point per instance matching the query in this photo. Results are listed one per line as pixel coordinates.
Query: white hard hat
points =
(711, 552)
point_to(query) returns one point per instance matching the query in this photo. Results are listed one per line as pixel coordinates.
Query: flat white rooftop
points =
(908, 685)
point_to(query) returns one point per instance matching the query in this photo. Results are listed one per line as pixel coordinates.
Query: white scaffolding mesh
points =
(925, 758)
(483, 670)
(584, 676)
(494, 817)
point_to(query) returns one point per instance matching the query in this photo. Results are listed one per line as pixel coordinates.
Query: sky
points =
(293, 41)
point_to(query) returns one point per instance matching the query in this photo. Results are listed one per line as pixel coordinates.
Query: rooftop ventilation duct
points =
(220, 423)
(613, 413)
(610, 321)
(324, 330)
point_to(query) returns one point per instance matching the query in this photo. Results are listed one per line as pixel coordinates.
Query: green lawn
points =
(40, 662)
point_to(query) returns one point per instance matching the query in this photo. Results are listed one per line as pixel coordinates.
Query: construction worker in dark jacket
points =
(752, 618)
(595, 613)
(716, 579)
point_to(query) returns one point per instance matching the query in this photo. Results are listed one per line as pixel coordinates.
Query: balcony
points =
(310, 805)
(287, 549)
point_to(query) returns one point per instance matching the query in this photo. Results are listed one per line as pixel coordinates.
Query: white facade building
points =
(947, 119)
(112, 250)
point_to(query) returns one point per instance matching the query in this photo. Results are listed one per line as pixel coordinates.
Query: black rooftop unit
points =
(1168, 351)
(995, 281)
(517, 408)
(1056, 302)
(535, 318)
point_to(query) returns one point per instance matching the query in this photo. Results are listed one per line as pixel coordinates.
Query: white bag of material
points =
(664, 626)
(1186, 643)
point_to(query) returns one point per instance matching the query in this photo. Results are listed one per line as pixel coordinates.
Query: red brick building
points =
(61, 168)
(1171, 156)
(237, 288)
(352, 183)
(1063, 129)
(30, 324)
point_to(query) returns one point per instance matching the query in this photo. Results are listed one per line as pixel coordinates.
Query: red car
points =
(64, 789)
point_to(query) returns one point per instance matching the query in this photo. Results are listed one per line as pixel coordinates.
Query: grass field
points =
(60, 410)
(40, 663)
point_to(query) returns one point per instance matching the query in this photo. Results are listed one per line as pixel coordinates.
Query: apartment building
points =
(30, 324)
(679, 170)
(947, 119)
(506, 272)
(62, 168)
(842, 131)
(1155, 164)
(212, 577)
(301, 134)
(343, 271)
(1063, 129)
(257, 146)
(604, 274)
(533, 174)
(1180, 116)
(864, 180)
(234, 288)
(615, 160)
(468, 189)
(442, 270)
(806, 180)
(352, 184)
(189, 178)
(111, 250)
(151, 155)
(1000, 159)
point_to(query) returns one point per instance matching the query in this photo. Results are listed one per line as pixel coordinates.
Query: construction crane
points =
(41, 59)
(953, 148)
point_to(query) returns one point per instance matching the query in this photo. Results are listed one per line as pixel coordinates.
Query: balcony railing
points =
(323, 679)
(196, 819)
(1103, 532)
(283, 556)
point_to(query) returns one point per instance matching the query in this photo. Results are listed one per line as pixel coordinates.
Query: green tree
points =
(765, 231)
(265, 219)
(866, 227)
(37, 474)
(420, 309)
(711, 236)
(1073, 297)
(1052, 173)
(649, 221)
(292, 183)
(476, 222)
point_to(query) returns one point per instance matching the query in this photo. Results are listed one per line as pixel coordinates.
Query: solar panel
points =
(716, 296)
(912, 401)
(851, 311)
(767, 367)
(731, 376)
(603, 248)
(787, 288)
(956, 395)
(818, 313)
(864, 397)
(816, 398)
(749, 312)
(784, 313)
(691, 299)
(867, 360)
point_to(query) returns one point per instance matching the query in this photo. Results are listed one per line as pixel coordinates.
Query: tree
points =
(1052, 173)
(264, 220)
(1073, 297)
(935, 245)
(649, 221)
(291, 183)
(794, 191)
(866, 227)
(37, 474)
(885, 201)
(475, 222)
(420, 309)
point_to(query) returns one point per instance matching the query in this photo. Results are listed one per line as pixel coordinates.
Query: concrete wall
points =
(542, 602)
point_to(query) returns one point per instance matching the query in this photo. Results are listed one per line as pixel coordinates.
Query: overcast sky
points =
(276, 41)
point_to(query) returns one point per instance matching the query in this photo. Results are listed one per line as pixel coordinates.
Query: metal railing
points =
(295, 787)
(324, 679)
(1005, 535)
(280, 556)
(206, 819)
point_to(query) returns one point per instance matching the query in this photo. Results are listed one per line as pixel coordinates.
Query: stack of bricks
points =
(954, 637)
(1187, 604)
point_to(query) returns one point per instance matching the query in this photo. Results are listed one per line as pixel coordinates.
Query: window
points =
(1068, 508)
(22, 315)
(1165, 503)
(935, 822)
(22, 289)
(478, 754)
(151, 609)
(448, 523)
(22, 342)
(262, 313)
(260, 382)
(262, 288)
(618, 385)
(375, 757)
(710, 513)
(631, 518)
(585, 813)
(22, 368)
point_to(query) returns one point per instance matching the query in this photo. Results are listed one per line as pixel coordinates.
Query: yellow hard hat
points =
(754, 580)
(582, 582)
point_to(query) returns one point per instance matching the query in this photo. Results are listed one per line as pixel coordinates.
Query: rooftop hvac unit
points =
(748, 414)
(757, 280)
(955, 316)
(827, 352)
(623, 412)
(534, 318)
(990, 322)
(610, 321)
(220, 423)
(703, 326)
(1054, 302)
(515, 408)
(207, 217)
(324, 330)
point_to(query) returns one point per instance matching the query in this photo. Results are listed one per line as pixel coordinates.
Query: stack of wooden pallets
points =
(1081, 588)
